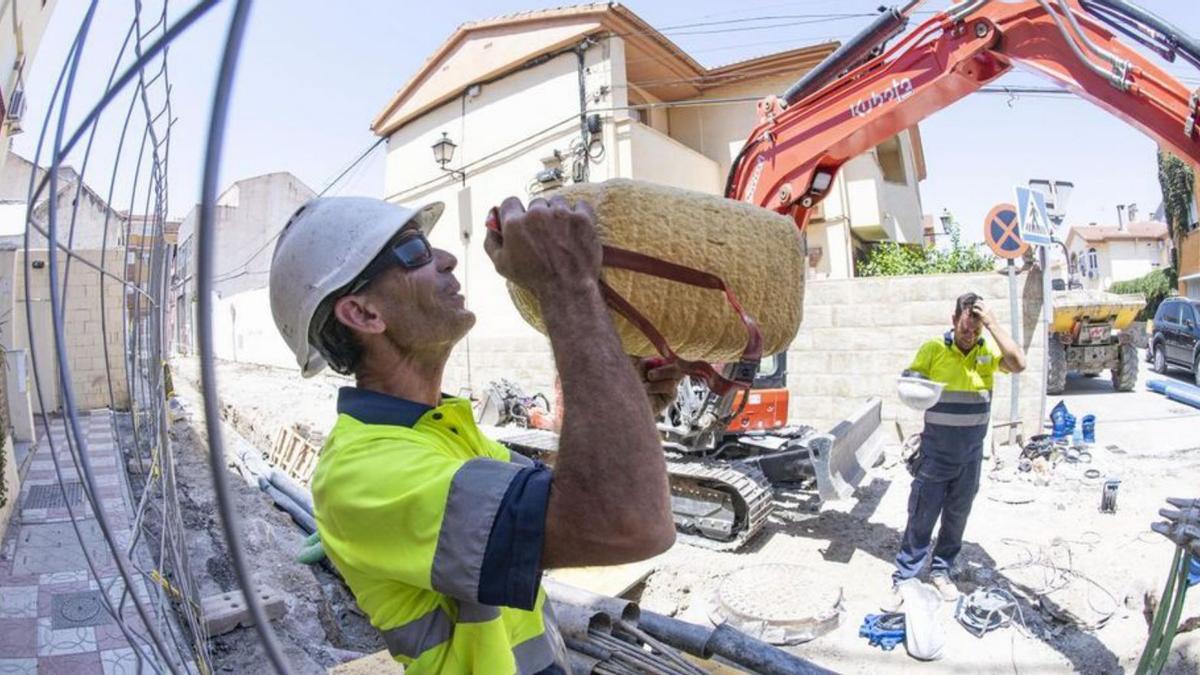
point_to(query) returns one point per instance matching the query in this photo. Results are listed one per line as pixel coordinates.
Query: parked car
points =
(1175, 337)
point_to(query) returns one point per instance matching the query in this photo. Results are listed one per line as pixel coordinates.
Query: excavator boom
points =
(802, 139)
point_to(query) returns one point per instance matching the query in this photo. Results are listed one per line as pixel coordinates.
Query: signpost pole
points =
(1002, 232)
(1033, 212)
(1047, 317)
(1014, 311)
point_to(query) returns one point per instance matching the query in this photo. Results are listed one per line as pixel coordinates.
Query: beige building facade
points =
(250, 213)
(22, 23)
(539, 99)
(1102, 255)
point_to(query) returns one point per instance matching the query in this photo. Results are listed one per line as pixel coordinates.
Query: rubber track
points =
(748, 485)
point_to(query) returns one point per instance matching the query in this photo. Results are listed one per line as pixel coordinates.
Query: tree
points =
(1176, 180)
(888, 258)
(1156, 286)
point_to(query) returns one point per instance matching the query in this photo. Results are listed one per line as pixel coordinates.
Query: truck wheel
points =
(1160, 359)
(1056, 367)
(1124, 376)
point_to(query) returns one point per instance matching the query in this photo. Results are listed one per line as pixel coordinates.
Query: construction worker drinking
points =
(441, 533)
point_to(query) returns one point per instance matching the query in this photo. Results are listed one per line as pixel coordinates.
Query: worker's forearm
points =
(1012, 355)
(609, 471)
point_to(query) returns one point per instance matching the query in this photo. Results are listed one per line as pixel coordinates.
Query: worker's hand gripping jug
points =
(692, 275)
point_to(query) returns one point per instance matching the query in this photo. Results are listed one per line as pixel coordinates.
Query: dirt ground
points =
(1055, 539)
(323, 626)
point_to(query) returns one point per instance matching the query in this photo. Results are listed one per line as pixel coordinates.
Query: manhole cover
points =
(54, 547)
(51, 496)
(76, 610)
(778, 603)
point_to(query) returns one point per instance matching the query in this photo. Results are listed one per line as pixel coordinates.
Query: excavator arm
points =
(806, 135)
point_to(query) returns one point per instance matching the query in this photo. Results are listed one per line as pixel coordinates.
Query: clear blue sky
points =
(314, 74)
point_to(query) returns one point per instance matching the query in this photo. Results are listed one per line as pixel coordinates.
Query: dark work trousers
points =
(940, 488)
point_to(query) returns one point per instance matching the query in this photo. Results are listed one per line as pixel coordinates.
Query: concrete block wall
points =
(856, 338)
(859, 334)
(527, 361)
(86, 333)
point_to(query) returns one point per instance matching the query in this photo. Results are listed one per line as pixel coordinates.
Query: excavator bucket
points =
(841, 457)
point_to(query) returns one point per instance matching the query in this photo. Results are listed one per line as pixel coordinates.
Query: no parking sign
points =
(1002, 232)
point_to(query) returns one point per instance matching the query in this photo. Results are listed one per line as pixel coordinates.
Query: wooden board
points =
(294, 455)
(378, 663)
(613, 580)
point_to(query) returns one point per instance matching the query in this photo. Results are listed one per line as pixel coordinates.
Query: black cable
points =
(194, 14)
(56, 312)
(353, 164)
(72, 54)
(240, 270)
(205, 241)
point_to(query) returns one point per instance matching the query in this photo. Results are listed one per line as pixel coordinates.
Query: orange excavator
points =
(866, 92)
(728, 452)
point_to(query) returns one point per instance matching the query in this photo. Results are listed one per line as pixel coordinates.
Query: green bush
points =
(889, 259)
(1156, 286)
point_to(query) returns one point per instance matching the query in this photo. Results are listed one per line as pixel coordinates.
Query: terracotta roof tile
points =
(1150, 229)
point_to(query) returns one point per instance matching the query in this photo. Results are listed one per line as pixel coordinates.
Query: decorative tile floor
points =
(51, 616)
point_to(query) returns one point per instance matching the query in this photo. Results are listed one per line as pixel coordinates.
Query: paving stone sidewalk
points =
(52, 617)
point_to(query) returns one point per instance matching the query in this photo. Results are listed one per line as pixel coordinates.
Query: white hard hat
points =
(919, 393)
(324, 245)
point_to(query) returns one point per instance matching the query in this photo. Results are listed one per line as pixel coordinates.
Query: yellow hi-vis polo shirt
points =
(438, 532)
(957, 424)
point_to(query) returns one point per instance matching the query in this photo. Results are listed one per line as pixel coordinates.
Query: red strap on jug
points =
(743, 374)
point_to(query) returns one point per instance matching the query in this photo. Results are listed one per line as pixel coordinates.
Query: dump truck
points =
(1088, 336)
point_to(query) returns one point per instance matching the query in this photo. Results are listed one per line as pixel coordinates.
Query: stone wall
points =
(85, 331)
(859, 334)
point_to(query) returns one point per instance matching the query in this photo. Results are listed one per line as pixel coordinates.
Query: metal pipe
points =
(728, 643)
(960, 12)
(1117, 81)
(759, 656)
(571, 595)
(287, 486)
(682, 635)
(1086, 42)
(890, 22)
(1177, 39)
(303, 518)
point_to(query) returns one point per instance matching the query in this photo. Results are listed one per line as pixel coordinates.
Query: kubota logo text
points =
(900, 90)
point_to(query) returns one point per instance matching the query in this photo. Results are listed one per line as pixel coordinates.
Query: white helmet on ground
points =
(324, 245)
(917, 392)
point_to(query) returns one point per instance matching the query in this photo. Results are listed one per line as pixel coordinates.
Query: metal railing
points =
(169, 633)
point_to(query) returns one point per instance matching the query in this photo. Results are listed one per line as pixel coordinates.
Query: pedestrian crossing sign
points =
(1033, 217)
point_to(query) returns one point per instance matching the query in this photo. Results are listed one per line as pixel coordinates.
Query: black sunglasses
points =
(411, 250)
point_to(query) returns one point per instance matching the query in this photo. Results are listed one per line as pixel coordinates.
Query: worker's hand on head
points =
(982, 314)
(549, 246)
(661, 381)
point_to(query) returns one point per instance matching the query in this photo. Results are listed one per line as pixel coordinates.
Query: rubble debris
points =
(987, 609)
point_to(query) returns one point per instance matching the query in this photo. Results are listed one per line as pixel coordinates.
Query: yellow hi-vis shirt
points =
(957, 424)
(438, 532)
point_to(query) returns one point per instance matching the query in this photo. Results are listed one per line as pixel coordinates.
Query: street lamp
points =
(443, 152)
(947, 220)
